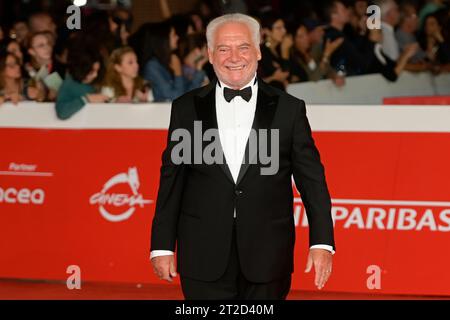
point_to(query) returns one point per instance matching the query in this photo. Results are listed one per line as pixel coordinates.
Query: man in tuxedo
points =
(232, 223)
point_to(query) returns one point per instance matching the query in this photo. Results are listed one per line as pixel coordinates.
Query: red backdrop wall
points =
(390, 203)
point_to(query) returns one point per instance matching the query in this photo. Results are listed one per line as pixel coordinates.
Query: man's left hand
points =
(322, 260)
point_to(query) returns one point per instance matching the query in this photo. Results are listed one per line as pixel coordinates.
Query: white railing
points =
(371, 89)
(363, 118)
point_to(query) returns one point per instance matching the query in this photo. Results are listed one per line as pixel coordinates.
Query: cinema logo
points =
(384, 215)
(115, 206)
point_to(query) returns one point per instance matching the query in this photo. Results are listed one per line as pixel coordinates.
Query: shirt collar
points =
(251, 83)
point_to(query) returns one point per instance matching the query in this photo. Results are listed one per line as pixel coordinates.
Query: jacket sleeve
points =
(164, 226)
(67, 105)
(309, 177)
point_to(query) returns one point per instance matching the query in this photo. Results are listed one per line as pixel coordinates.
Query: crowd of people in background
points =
(106, 62)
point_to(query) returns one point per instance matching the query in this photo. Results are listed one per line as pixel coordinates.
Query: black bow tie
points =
(245, 93)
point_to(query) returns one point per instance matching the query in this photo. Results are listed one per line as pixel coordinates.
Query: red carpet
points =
(30, 290)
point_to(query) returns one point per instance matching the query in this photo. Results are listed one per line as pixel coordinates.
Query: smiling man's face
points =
(234, 56)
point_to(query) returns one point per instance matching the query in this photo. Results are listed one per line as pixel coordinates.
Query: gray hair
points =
(250, 22)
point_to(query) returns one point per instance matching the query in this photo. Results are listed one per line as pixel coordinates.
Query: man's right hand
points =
(164, 267)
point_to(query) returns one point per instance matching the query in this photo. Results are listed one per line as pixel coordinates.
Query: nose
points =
(234, 55)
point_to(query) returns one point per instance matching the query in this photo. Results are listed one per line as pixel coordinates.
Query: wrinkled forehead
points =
(233, 33)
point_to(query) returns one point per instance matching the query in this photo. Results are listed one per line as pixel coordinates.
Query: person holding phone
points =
(194, 56)
(163, 67)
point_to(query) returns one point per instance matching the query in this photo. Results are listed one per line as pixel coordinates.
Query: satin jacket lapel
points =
(266, 105)
(205, 106)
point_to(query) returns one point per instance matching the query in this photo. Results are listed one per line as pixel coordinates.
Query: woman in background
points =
(12, 46)
(194, 55)
(434, 41)
(122, 82)
(163, 68)
(84, 66)
(13, 86)
(303, 65)
(42, 64)
(275, 51)
(11, 83)
(40, 49)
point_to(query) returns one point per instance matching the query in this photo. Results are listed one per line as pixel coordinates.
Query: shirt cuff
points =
(323, 246)
(157, 253)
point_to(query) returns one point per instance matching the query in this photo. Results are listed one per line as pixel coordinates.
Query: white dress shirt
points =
(234, 121)
(389, 44)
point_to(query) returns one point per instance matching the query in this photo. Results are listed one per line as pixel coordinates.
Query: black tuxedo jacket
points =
(195, 204)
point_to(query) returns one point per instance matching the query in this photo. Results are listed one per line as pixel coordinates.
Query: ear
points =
(210, 56)
(258, 53)
(31, 52)
(118, 68)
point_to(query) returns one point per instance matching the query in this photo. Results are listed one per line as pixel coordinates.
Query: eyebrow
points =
(245, 44)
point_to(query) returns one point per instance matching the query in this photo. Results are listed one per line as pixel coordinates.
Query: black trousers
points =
(233, 285)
